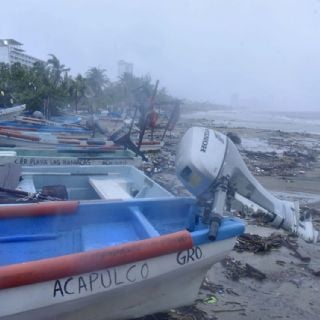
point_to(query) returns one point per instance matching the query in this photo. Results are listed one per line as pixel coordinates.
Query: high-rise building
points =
(11, 52)
(124, 67)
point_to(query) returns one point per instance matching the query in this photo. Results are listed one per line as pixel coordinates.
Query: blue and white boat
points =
(42, 125)
(119, 246)
(105, 260)
(68, 157)
(83, 183)
(11, 112)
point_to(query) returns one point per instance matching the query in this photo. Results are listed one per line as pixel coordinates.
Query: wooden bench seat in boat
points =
(109, 189)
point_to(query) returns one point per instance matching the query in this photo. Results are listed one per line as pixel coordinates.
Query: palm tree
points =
(96, 79)
(77, 89)
(97, 82)
(56, 69)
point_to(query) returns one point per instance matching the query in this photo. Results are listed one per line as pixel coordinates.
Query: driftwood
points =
(257, 244)
(236, 270)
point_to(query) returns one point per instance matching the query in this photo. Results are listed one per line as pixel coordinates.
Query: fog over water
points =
(261, 119)
(259, 54)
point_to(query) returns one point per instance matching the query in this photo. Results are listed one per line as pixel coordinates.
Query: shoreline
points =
(288, 165)
(287, 162)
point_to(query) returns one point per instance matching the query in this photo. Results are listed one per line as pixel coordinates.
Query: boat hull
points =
(11, 113)
(122, 292)
(49, 142)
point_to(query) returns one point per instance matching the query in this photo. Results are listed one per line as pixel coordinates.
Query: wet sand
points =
(291, 289)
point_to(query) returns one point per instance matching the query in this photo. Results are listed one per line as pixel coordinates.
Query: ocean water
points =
(304, 121)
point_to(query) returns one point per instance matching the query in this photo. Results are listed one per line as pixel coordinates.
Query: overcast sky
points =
(267, 52)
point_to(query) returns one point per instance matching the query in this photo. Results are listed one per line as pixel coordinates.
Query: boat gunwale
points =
(32, 272)
(38, 209)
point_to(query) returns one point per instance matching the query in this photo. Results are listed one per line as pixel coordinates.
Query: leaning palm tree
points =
(58, 85)
(56, 69)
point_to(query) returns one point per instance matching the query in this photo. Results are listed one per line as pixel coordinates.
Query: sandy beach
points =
(288, 165)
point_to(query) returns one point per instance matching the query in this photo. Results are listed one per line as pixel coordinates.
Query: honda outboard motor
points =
(211, 168)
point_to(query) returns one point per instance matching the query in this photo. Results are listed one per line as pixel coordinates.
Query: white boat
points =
(11, 112)
(53, 157)
(127, 258)
(83, 183)
(48, 140)
(117, 259)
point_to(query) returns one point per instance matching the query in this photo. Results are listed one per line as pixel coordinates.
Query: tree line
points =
(49, 86)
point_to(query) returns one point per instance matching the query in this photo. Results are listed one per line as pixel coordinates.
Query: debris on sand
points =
(258, 244)
(281, 155)
(236, 270)
(184, 313)
(289, 163)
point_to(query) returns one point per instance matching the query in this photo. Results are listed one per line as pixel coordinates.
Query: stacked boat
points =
(27, 132)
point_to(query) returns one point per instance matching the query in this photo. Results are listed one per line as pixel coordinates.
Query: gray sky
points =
(266, 51)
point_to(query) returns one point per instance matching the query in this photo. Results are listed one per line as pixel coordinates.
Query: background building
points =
(11, 52)
(124, 67)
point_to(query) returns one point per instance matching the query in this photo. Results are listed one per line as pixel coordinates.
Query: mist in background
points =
(258, 54)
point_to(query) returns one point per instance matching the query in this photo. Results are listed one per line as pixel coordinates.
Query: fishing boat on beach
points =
(102, 242)
(42, 125)
(132, 253)
(67, 119)
(105, 260)
(83, 183)
(48, 140)
(68, 157)
(11, 112)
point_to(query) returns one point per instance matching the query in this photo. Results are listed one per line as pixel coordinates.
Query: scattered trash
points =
(281, 263)
(229, 310)
(236, 270)
(212, 287)
(257, 244)
(294, 247)
(188, 313)
(290, 160)
(210, 300)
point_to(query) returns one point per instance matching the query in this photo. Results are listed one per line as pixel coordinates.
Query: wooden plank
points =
(109, 189)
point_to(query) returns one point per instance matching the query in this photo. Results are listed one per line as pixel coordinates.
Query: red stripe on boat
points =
(33, 119)
(16, 128)
(38, 209)
(150, 142)
(71, 141)
(61, 136)
(17, 134)
(54, 268)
